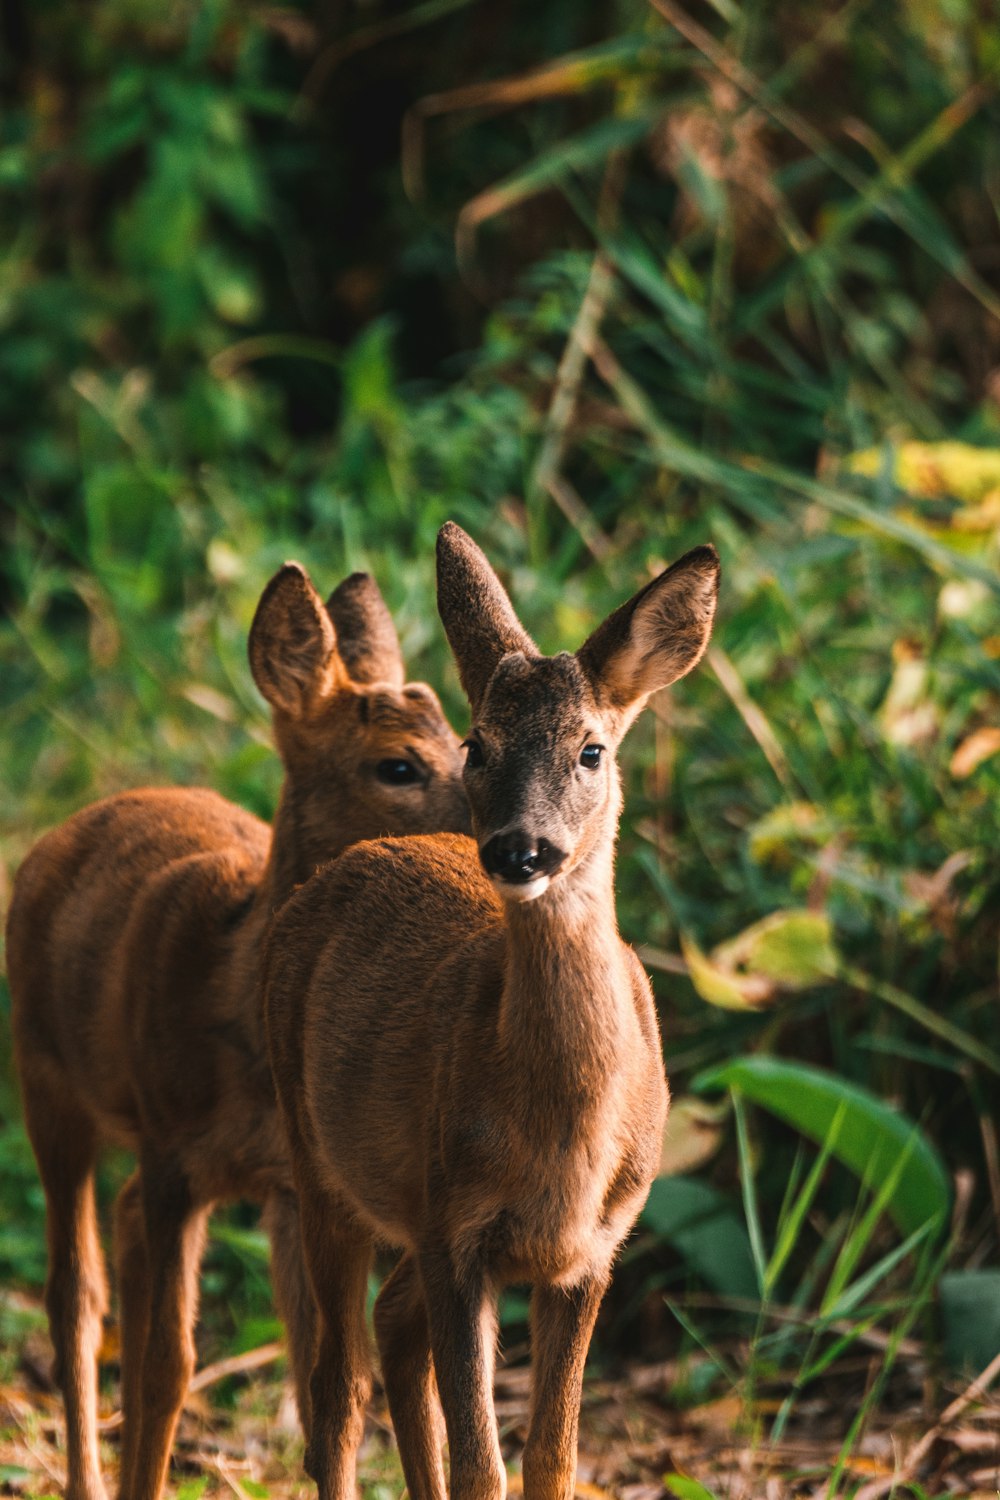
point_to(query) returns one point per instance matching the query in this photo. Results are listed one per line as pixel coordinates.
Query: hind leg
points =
(174, 1223)
(292, 1294)
(76, 1292)
(404, 1343)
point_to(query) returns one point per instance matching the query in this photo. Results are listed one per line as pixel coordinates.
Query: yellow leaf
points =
(974, 749)
(692, 1135)
(726, 990)
(793, 822)
(793, 948)
(928, 470)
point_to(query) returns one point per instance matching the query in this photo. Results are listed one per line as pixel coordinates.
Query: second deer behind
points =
(467, 1055)
(133, 948)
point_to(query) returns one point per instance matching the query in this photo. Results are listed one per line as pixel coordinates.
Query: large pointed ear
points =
(657, 636)
(366, 637)
(478, 618)
(293, 645)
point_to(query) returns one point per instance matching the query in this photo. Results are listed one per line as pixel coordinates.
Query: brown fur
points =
(133, 947)
(472, 1076)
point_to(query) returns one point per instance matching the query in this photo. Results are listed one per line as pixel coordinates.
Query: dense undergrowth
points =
(639, 277)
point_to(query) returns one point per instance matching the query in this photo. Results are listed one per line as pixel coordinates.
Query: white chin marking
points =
(529, 892)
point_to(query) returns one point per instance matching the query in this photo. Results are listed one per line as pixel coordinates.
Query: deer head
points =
(540, 770)
(365, 752)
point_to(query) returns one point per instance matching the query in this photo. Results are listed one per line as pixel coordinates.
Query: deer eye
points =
(590, 756)
(473, 753)
(396, 772)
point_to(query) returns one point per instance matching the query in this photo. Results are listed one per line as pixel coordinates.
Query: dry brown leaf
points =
(719, 1416)
(968, 1440)
(692, 1135)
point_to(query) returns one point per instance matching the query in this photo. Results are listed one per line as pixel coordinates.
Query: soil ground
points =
(239, 1436)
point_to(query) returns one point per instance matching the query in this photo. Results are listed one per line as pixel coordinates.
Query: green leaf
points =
(193, 1489)
(685, 1488)
(775, 837)
(871, 1137)
(970, 1312)
(704, 1226)
(250, 1244)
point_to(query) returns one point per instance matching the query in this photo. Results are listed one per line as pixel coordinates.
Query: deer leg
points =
(133, 1315)
(292, 1293)
(338, 1256)
(408, 1375)
(76, 1292)
(461, 1311)
(562, 1320)
(175, 1236)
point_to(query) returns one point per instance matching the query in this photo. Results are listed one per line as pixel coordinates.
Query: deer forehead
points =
(362, 722)
(413, 710)
(544, 698)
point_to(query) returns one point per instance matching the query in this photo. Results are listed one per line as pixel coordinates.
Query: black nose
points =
(518, 858)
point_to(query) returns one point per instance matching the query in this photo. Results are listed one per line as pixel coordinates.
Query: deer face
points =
(540, 772)
(540, 768)
(365, 752)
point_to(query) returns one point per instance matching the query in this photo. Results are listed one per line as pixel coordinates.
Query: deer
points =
(467, 1055)
(134, 943)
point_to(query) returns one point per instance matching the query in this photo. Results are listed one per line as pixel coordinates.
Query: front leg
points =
(562, 1321)
(461, 1311)
(338, 1254)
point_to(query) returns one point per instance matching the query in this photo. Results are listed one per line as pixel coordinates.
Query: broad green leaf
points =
(871, 1136)
(970, 1313)
(704, 1226)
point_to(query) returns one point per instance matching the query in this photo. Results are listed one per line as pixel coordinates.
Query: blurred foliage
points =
(637, 277)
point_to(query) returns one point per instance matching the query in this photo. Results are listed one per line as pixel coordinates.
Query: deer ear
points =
(293, 644)
(478, 618)
(657, 636)
(366, 637)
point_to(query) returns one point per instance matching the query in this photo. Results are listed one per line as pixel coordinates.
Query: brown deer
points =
(134, 942)
(467, 1056)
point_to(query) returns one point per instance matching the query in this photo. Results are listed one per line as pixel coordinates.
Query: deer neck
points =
(567, 1003)
(291, 860)
(294, 854)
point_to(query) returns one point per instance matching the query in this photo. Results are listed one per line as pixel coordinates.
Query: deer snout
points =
(516, 858)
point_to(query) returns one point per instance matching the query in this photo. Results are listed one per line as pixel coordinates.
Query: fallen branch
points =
(915, 1457)
(236, 1364)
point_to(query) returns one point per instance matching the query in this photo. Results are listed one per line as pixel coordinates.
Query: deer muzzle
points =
(514, 858)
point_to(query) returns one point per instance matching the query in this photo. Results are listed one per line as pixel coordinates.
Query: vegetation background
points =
(600, 282)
